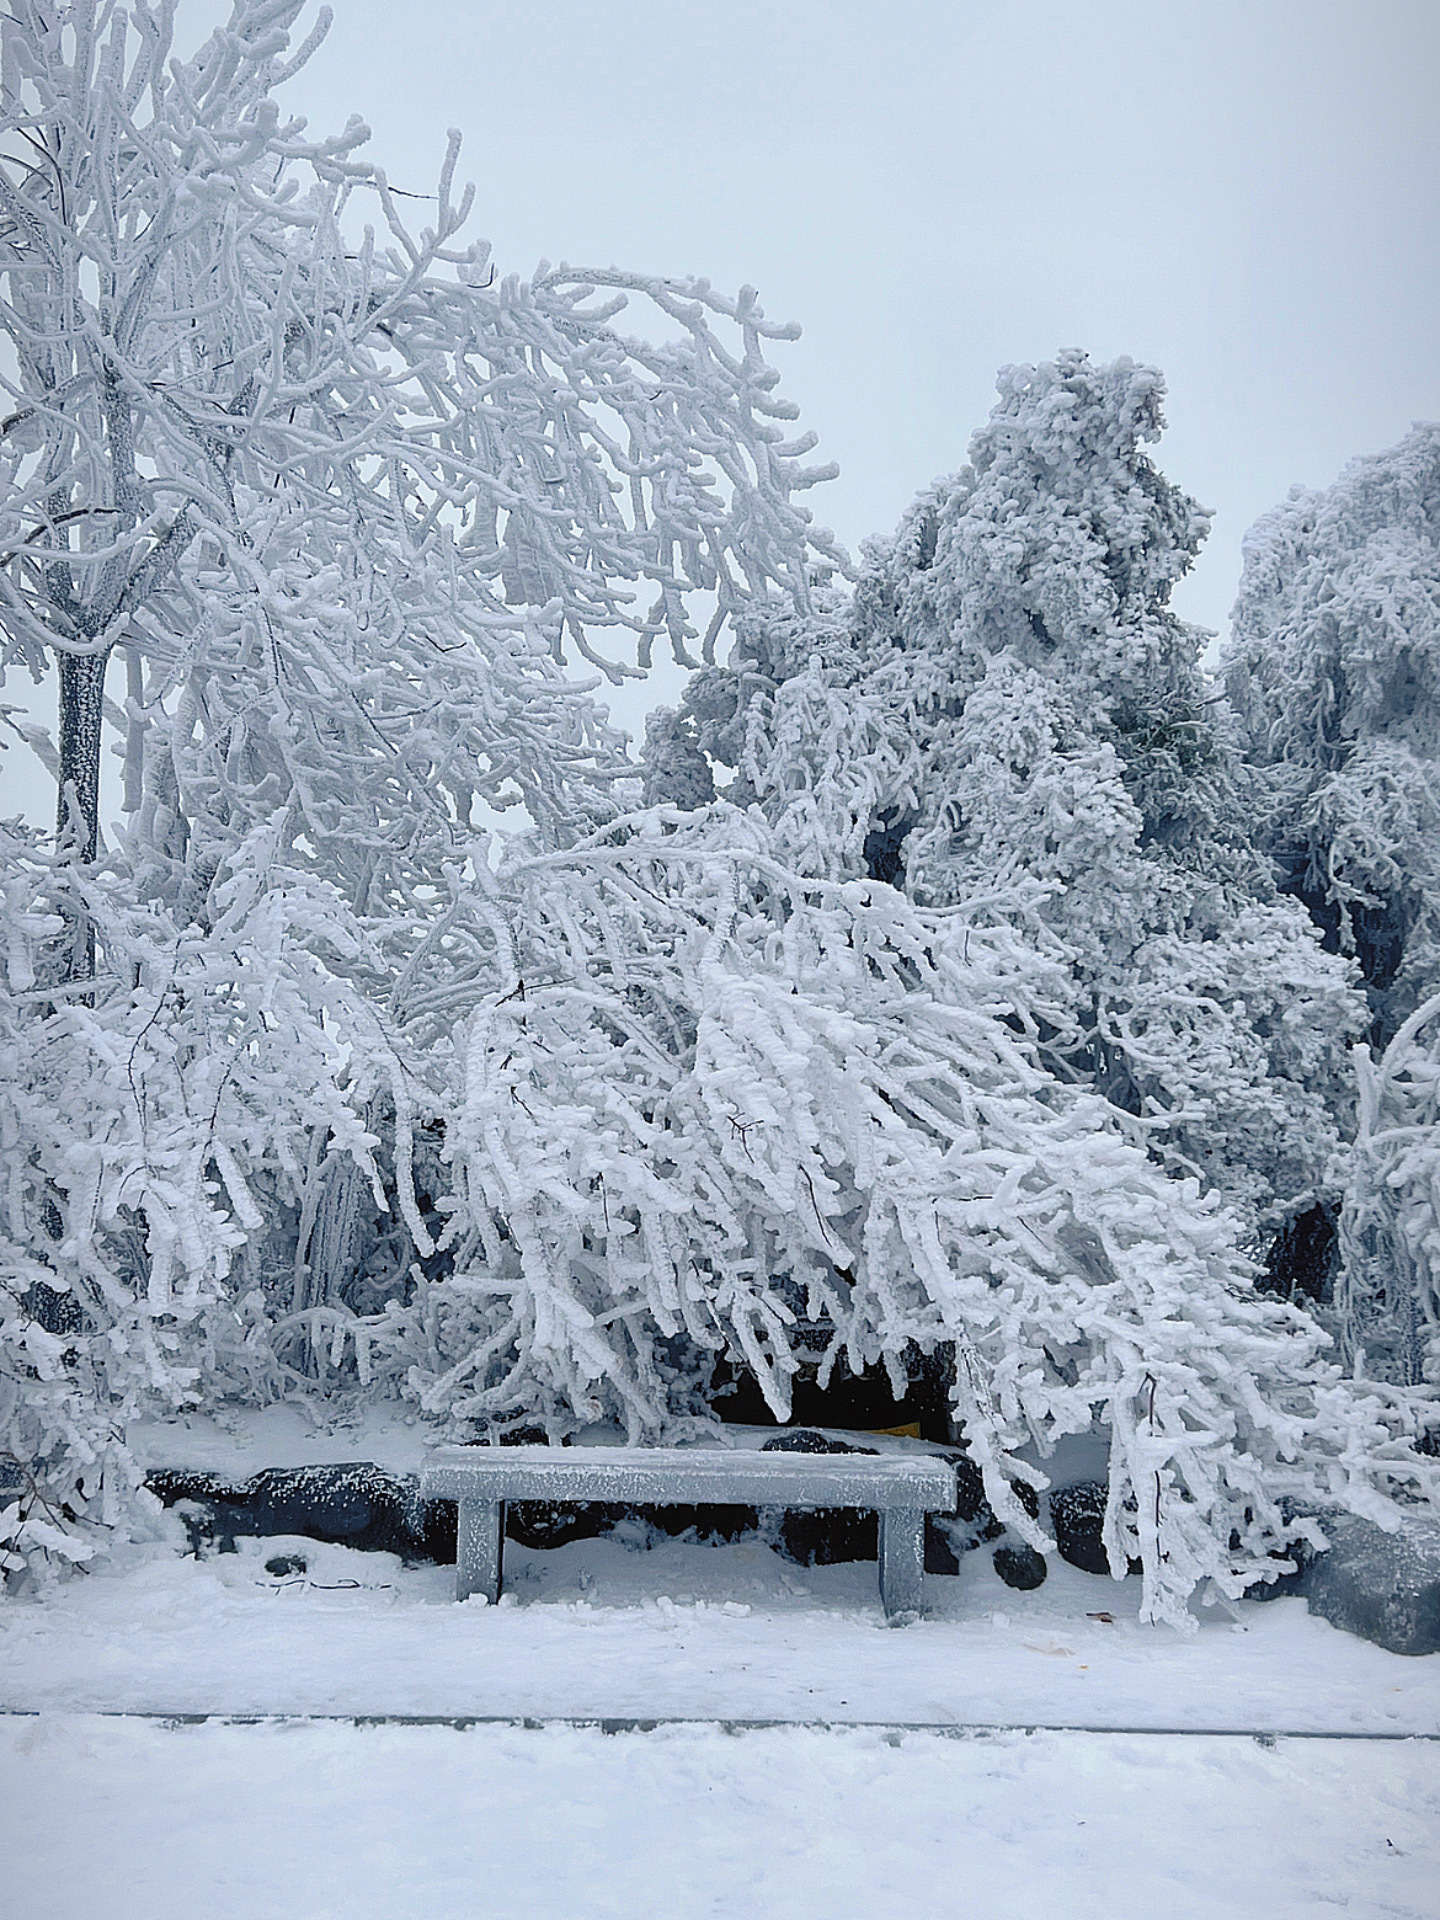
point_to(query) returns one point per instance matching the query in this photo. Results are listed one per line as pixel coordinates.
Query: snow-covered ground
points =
(127, 1820)
(603, 1628)
(897, 1813)
(617, 1627)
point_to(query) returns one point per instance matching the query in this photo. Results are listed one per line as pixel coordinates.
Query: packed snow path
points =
(700, 1822)
(692, 1823)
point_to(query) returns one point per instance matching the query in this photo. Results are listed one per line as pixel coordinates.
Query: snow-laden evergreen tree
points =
(1333, 671)
(1387, 1296)
(1007, 709)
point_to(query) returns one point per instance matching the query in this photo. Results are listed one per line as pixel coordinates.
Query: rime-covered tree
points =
(1387, 1293)
(1007, 710)
(343, 502)
(245, 431)
(718, 1107)
(1333, 672)
(356, 1098)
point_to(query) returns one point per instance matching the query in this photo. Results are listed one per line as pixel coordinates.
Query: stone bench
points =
(901, 1488)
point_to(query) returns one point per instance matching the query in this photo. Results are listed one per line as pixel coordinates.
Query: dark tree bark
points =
(82, 690)
(77, 817)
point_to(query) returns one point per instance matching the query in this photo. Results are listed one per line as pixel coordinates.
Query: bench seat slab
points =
(691, 1476)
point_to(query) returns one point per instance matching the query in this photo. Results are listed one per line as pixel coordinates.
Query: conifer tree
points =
(1333, 672)
(1007, 710)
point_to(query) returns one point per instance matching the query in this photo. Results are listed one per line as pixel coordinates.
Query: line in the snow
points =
(646, 1723)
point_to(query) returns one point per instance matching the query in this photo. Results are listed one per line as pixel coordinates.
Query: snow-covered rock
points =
(1383, 1586)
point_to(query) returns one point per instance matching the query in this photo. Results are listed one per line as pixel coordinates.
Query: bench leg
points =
(479, 1547)
(902, 1560)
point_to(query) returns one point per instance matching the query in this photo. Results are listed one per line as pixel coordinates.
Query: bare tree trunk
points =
(77, 819)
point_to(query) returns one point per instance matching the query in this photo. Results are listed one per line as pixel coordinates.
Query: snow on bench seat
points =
(902, 1489)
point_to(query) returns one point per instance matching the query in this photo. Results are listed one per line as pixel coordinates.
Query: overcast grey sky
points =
(1243, 192)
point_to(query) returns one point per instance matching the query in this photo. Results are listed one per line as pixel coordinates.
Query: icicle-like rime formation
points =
(1387, 1304)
